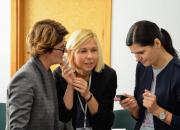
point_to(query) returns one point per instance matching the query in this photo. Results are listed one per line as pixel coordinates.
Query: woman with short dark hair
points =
(31, 96)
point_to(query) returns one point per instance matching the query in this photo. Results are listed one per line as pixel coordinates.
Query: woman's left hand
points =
(149, 101)
(81, 86)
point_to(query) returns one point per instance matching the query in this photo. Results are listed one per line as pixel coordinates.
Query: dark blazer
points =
(103, 87)
(167, 92)
(32, 99)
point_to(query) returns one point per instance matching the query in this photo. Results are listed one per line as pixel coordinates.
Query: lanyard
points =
(84, 109)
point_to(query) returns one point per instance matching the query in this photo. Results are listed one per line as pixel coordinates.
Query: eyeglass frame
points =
(63, 49)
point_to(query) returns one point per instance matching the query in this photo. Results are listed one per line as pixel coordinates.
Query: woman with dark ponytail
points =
(156, 101)
(167, 43)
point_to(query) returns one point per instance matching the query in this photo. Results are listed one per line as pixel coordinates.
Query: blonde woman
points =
(31, 95)
(87, 96)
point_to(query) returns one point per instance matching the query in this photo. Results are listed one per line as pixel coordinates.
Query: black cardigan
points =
(103, 87)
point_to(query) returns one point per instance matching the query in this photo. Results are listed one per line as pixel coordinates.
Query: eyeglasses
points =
(60, 49)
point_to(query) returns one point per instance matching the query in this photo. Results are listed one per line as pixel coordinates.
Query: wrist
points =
(157, 111)
(89, 97)
(70, 87)
(160, 113)
(134, 112)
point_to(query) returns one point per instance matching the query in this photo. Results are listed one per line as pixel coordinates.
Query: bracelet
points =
(89, 98)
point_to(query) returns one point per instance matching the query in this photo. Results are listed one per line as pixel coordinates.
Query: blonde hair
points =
(44, 35)
(77, 39)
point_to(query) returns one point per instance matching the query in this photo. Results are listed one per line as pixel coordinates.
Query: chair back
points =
(123, 119)
(2, 116)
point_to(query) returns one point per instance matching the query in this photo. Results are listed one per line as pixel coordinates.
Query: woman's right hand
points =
(129, 103)
(68, 73)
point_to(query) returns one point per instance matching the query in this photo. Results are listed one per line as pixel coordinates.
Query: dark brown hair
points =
(144, 32)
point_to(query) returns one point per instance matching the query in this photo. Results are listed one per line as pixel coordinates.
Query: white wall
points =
(4, 47)
(124, 13)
